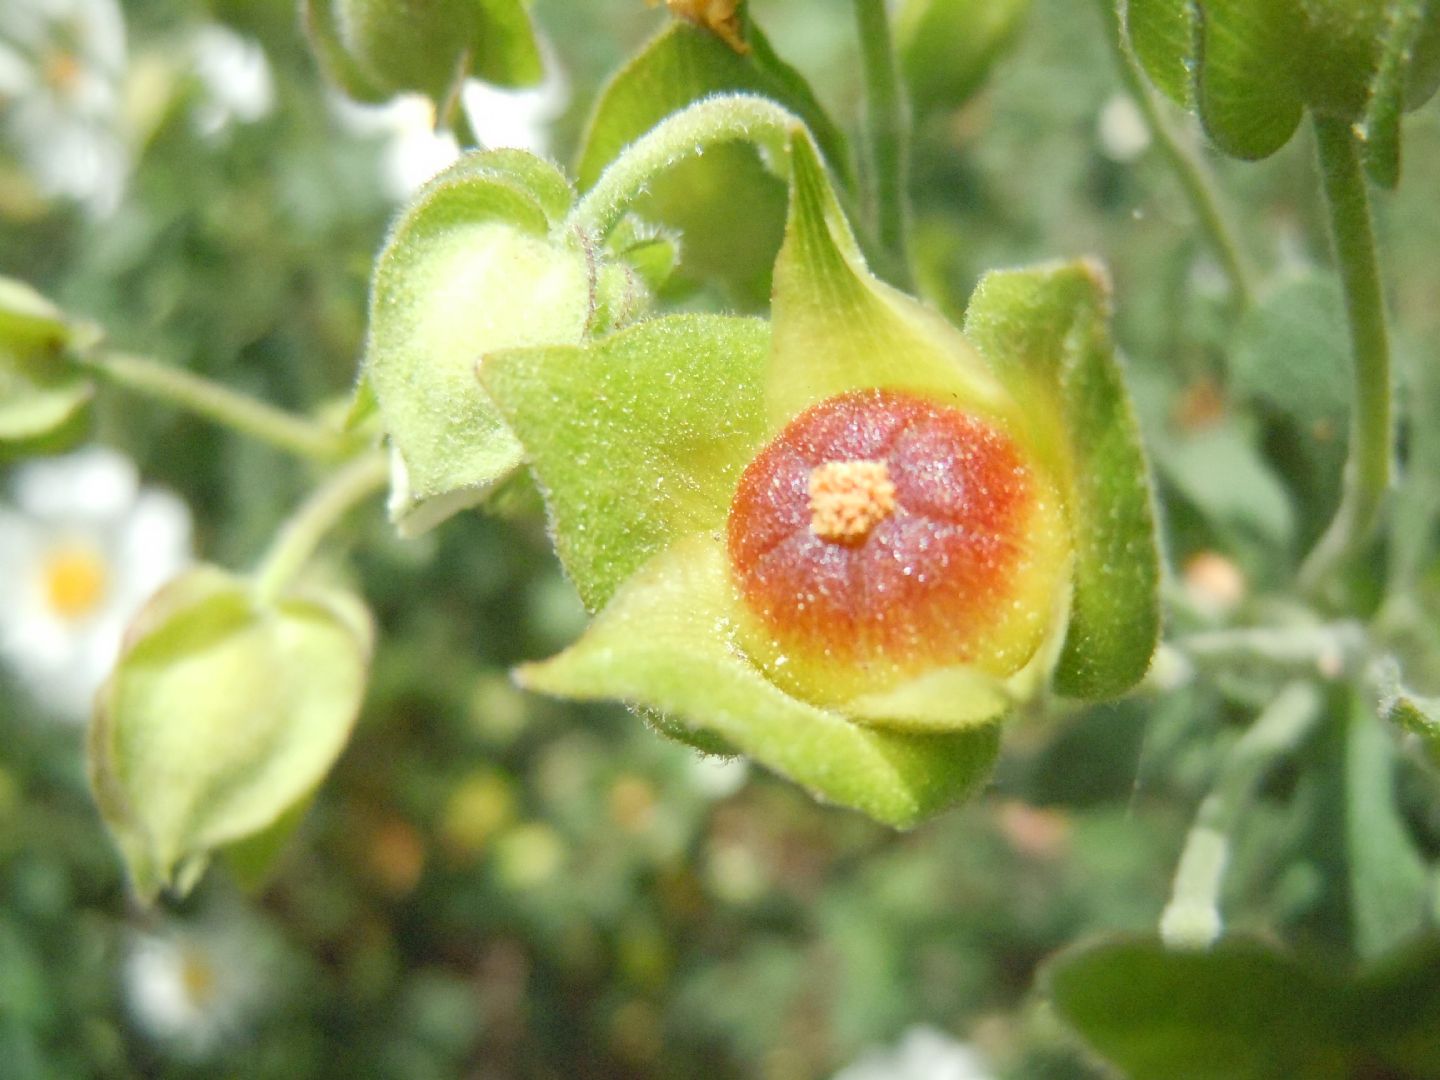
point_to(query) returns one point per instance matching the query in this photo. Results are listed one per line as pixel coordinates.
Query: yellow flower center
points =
(75, 580)
(849, 498)
(197, 976)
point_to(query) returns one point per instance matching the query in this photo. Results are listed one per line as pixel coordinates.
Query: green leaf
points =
(335, 60)
(1220, 470)
(837, 328)
(728, 207)
(1247, 91)
(468, 270)
(666, 642)
(1389, 882)
(222, 714)
(1046, 331)
(1402, 1009)
(43, 394)
(638, 439)
(947, 47)
(1163, 35)
(1240, 1011)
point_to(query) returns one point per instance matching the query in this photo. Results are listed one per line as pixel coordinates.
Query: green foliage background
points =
(496, 885)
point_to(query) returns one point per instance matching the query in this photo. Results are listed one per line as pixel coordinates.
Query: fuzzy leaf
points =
(1248, 92)
(837, 328)
(223, 712)
(1046, 331)
(468, 270)
(1163, 35)
(637, 439)
(666, 642)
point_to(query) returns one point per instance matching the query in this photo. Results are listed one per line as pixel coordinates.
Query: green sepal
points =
(1411, 712)
(470, 268)
(948, 47)
(1162, 34)
(374, 49)
(1046, 332)
(726, 204)
(838, 328)
(44, 395)
(637, 439)
(1399, 82)
(223, 712)
(666, 642)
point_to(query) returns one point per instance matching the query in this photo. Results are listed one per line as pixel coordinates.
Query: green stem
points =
(887, 133)
(213, 401)
(1192, 918)
(463, 128)
(1372, 435)
(1190, 168)
(1327, 649)
(320, 513)
(717, 120)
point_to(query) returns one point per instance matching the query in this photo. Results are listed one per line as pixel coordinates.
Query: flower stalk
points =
(887, 132)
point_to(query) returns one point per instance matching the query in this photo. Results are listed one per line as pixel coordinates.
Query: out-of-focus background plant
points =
(493, 884)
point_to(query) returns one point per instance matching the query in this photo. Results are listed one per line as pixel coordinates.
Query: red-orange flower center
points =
(882, 534)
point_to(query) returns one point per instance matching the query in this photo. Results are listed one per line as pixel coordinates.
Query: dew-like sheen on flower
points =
(881, 535)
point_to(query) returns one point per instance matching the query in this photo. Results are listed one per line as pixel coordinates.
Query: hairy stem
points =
(1190, 169)
(1192, 918)
(1372, 435)
(317, 515)
(234, 410)
(887, 131)
(714, 121)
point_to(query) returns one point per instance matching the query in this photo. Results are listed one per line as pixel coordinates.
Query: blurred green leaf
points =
(1292, 352)
(1163, 35)
(1240, 1011)
(947, 47)
(1389, 882)
(1388, 90)
(224, 711)
(1247, 93)
(1221, 472)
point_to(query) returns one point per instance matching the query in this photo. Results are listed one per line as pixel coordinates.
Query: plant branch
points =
(887, 132)
(240, 412)
(317, 515)
(714, 121)
(1192, 919)
(1372, 435)
(1190, 168)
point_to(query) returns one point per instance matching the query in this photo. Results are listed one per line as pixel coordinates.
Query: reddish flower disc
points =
(882, 534)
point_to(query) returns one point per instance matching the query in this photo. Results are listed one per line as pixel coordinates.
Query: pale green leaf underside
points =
(666, 642)
(1046, 331)
(637, 439)
(836, 328)
(221, 715)
(469, 270)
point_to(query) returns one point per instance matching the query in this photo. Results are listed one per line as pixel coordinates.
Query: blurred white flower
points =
(234, 76)
(61, 66)
(923, 1053)
(82, 546)
(1123, 133)
(415, 151)
(718, 777)
(192, 986)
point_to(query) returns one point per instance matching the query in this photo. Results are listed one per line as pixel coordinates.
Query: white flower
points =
(235, 76)
(191, 986)
(923, 1053)
(415, 151)
(1123, 133)
(81, 548)
(61, 64)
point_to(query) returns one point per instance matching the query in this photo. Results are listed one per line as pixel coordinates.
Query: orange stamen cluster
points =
(849, 498)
